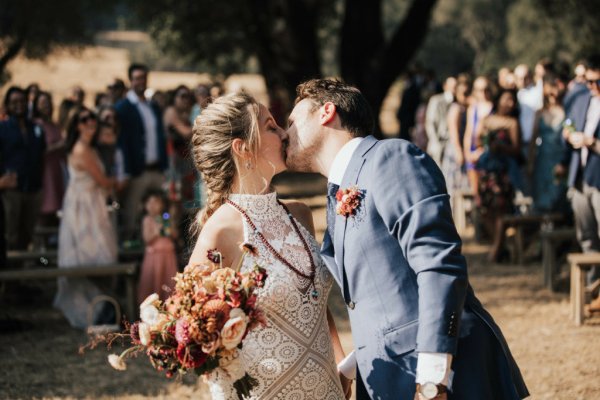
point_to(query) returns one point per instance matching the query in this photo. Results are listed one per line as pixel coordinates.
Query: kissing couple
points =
(391, 246)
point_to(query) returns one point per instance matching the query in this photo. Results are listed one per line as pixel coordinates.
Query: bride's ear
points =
(327, 113)
(240, 148)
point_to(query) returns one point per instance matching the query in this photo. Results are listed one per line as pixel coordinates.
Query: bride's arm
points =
(219, 232)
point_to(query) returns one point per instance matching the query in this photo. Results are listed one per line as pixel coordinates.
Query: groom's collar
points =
(359, 146)
(341, 161)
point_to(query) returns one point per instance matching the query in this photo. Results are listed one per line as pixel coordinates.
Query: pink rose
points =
(234, 329)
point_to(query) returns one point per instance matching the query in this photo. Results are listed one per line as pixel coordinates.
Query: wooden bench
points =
(460, 201)
(580, 264)
(129, 270)
(518, 222)
(551, 239)
(47, 256)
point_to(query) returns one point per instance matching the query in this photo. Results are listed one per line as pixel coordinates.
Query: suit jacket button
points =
(351, 305)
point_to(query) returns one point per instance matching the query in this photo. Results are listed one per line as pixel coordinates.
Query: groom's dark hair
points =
(352, 107)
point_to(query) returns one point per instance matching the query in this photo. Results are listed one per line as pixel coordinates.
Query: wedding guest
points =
(453, 161)
(436, 120)
(546, 150)
(108, 132)
(54, 159)
(506, 78)
(498, 147)
(583, 159)
(202, 96)
(86, 234)
(142, 141)
(102, 100)
(116, 90)
(160, 260)
(217, 90)
(530, 97)
(177, 124)
(75, 99)
(479, 108)
(22, 144)
(577, 86)
(32, 92)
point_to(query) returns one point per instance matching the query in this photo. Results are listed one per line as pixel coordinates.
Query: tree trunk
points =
(286, 46)
(370, 63)
(12, 51)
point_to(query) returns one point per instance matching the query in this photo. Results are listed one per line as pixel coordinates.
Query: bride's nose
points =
(282, 134)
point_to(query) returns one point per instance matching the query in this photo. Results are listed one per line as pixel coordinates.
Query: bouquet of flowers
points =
(201, 326)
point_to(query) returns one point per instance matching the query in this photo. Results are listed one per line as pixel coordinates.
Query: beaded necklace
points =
(313, 268)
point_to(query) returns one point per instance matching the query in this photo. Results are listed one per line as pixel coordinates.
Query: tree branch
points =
(11, 53)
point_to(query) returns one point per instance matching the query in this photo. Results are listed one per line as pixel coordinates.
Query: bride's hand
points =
(346, 386)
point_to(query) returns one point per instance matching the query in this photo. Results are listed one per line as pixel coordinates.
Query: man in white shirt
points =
(142, 143)
(417, 327)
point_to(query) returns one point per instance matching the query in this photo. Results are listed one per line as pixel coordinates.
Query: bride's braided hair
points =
(227, 118)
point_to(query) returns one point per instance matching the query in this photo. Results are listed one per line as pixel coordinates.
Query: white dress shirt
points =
(150, 125)
(591, 124)
(530, 100)
(431, 367)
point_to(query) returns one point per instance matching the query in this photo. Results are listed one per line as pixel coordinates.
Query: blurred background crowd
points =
(504, 141)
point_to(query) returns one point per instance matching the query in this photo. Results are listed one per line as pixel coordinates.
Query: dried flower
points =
(144, 332)
(249, 248)
(214, 256)
(117, 362)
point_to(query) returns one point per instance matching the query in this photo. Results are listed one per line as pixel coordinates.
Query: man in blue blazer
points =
(418, 329)
(582, 156)
(142, 141)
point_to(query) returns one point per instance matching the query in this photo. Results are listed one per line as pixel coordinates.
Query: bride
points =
(237, 147)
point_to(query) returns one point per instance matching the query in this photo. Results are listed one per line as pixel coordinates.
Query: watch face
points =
(429, 390)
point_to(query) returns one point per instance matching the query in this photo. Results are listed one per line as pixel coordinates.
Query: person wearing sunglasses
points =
(582, 137)
(86, 235)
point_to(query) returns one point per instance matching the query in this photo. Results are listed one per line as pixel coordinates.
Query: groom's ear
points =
(327, 113)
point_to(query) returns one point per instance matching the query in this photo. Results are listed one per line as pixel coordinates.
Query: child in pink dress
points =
(160, 261)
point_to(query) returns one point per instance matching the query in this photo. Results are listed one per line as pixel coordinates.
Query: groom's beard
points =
(303, 159)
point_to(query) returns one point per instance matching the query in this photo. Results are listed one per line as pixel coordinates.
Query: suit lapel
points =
(350, 178)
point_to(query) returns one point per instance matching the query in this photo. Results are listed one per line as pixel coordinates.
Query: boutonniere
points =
(348, 201)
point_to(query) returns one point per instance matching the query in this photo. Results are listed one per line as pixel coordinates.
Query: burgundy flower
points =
(214, 256)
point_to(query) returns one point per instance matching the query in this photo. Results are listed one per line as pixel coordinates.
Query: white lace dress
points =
(292, 357)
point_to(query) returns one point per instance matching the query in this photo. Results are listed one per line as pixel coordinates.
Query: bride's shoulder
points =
(222, 231)
(302, 213)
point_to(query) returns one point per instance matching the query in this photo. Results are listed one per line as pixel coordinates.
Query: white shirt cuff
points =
(434, 367)
(348, 366)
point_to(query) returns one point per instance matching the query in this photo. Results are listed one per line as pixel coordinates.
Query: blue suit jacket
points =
(401, 266)
(132, 140)
(577, 112)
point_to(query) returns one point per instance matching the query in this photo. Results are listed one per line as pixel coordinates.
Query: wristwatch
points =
(430, 390)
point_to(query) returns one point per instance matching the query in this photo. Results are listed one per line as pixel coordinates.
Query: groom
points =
(418, 329)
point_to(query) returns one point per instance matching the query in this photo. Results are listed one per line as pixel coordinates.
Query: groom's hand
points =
(346, 386)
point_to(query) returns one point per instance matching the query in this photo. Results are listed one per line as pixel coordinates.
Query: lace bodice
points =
(292, 357)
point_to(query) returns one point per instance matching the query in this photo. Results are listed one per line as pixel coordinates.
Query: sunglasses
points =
(593, 82)
(84, 119)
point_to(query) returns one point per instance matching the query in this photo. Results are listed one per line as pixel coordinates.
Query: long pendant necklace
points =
(313, 268)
